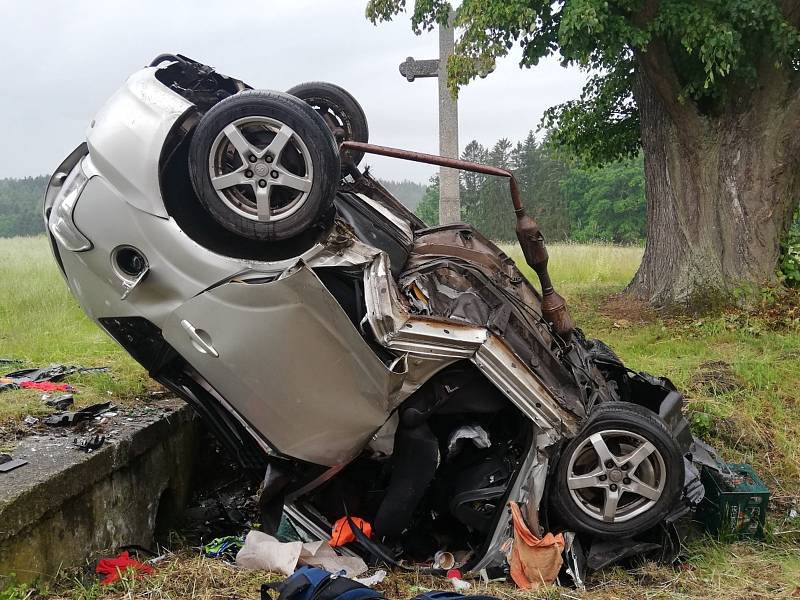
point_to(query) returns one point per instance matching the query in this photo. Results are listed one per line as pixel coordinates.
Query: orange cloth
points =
(534, 561)
(342, 533)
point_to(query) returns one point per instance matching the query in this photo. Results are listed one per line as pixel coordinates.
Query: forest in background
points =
(569, 201)
(21, 198)
(20, 205)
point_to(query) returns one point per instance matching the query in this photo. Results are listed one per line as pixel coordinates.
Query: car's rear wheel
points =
(264, 165)
(621, 475)
(340, 110)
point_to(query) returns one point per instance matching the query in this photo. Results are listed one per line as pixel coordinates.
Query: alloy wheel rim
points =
(615, 475)
(261, 169)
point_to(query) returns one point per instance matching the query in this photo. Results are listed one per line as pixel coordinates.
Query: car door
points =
(286, 358)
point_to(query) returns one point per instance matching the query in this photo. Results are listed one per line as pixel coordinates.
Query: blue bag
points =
(312, 583)
(450, 596)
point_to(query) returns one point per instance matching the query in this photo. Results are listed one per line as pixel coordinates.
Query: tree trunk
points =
(721, 190)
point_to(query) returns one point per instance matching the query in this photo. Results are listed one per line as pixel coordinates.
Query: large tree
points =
(708, 89)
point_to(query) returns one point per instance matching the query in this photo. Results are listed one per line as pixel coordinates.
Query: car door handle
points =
(200, 339)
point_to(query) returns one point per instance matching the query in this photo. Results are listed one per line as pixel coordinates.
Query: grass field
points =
(40, 324)
(739, 371)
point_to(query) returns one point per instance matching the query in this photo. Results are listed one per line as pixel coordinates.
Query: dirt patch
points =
(716, 377)
(784, 313)
(625, 310)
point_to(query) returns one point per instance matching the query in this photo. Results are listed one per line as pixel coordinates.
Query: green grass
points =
(578, 269)
(755, 420)
(40, 324)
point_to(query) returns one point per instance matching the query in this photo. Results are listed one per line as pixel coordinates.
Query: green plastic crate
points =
(735, 506)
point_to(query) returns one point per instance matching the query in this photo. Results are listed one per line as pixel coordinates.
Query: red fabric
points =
(342, 533)
(112, 568)
(46, 386)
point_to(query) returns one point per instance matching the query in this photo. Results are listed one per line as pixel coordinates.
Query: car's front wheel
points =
(621, 475)
(264, 165)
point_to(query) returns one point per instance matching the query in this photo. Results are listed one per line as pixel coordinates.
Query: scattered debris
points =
(343, 533)
(30, 421)
(226, 547)
(459, 584)
(44, 378)
(12, 464)
(8, 463)
(113, 568)
(373, 579)
(60, 402)
(70, 418)
(45, 386)
(89, 444)
(262, 551)
(444, 560)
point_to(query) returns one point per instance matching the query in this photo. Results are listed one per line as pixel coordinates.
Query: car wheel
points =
(341, 111)
(264, 165)
(620, 476)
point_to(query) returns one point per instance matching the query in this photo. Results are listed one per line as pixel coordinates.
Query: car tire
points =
(340, 110)
(264, 165)
(642, 470)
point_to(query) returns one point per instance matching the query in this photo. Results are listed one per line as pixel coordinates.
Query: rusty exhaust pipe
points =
(554, 307)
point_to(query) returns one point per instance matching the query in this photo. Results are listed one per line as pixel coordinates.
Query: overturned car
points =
(370, 366)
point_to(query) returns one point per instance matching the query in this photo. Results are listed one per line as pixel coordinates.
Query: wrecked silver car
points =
(369, 365)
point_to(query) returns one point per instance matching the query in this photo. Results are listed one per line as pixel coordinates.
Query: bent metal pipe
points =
(554, 307)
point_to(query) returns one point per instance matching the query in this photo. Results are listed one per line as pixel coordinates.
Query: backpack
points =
(312, 583)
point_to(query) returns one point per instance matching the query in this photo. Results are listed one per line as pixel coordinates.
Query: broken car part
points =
(334, 342)
(8, 463)
(83, 414)
(60, 402)
(89, 444)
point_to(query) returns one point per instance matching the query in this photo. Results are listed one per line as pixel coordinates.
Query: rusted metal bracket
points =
(554, 307)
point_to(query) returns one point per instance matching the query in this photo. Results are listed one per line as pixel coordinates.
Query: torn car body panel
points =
(428, 341)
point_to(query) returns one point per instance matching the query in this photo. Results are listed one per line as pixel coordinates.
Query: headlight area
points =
(60, 221)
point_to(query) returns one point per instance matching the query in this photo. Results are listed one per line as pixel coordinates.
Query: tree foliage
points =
(428, 207)
(20, 206)
(707, 52)
(789, 265)
(570, 201)
(607, 203)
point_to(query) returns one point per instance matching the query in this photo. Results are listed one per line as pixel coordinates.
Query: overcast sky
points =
(61, 60)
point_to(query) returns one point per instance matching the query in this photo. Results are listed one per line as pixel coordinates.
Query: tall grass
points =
(578, 267)
(40, 324)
